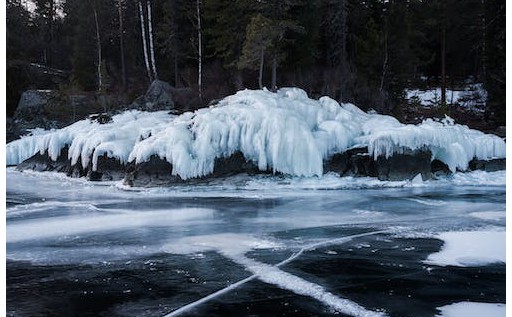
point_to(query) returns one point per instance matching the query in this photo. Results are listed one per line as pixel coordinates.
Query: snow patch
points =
(470, 309)
(470, 248)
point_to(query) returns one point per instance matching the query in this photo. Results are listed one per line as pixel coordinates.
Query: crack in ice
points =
(271, 274)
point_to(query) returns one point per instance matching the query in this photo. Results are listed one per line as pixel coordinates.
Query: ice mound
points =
(283, 132)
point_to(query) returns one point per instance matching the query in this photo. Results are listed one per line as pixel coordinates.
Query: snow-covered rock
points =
(284, 132)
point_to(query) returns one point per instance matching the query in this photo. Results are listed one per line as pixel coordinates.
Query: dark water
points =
(295, 248)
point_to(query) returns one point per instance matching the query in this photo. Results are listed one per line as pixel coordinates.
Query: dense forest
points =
(365, 52)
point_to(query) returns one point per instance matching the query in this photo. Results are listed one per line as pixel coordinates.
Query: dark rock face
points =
(155, 172)
(439, 169)
(234, 164)
(405, 165)
(43, 163)
(158, 172)
(357, 162)
(489, 165)
(107, 169)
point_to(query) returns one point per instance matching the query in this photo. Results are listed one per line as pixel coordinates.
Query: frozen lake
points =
(256, 246)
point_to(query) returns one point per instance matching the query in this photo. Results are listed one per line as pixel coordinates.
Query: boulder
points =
(53, 109)
(158, 97)
(32, 104)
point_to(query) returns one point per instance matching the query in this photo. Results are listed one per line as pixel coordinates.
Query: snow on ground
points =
(285, 132)
(470, 248)
(470, 309)
(472, 96)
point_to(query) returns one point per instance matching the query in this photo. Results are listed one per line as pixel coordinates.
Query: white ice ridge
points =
(270, 274)
(284, 132)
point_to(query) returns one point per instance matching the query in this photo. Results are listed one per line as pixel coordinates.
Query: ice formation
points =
(284, 132)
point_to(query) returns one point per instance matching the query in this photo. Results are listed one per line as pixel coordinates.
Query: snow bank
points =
(284, 132)
(470, 248)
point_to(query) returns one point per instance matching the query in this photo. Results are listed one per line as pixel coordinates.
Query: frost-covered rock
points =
(283, 132)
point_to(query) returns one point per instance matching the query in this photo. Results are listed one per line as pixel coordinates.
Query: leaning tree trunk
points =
(98, 43)
(144, 44)
(385, 63)
(151, 47)
(274, 73)
(200, 51)
(121, 42)
(443, 58)
(262, 60)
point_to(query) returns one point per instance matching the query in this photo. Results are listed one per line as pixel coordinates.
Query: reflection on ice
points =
(76, 225)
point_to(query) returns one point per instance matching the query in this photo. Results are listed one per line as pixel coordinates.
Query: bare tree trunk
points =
(443, 60)
(98, 42)
(144, 44)
(121, 42)
(344, 30)
(151, 47)
(274, 73)
(385, 64)
(200, 51)
(262, 60)
(176, 69)
(484, 42)
(50, 25)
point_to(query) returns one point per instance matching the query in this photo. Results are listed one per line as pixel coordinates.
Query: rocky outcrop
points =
(43, 163)
(488, 165)
(53, 109)
(158, 172)
(107, 168)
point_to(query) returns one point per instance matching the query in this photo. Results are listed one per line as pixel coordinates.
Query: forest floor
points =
(472, 118)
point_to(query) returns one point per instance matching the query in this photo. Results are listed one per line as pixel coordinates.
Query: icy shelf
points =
(284, 132)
